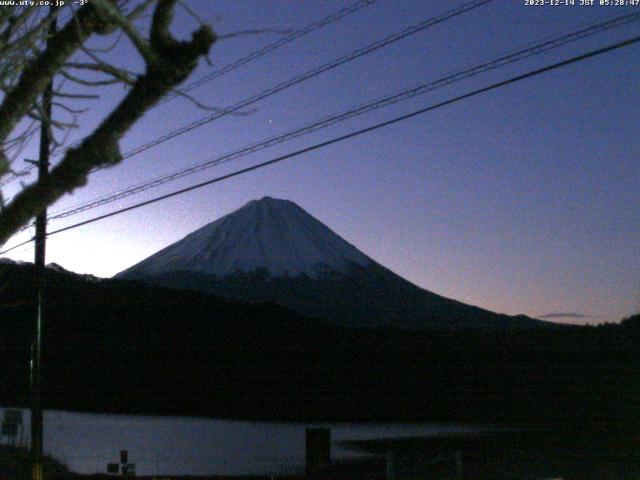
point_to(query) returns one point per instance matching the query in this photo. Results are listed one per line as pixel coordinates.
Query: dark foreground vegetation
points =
(122, 347)
(15, 464)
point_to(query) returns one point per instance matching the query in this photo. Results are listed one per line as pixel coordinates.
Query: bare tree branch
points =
(87, 83)
(261, 31)
(168, 63)
(68, 109)
(39, 73)
(198, 103)
(120, 74)
(110, 11)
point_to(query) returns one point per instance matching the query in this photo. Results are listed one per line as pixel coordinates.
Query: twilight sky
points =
(521, 200)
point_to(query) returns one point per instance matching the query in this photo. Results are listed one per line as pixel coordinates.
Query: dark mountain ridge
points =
(128, 347)
(359, 297)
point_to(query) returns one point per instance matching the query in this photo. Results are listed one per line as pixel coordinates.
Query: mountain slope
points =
(272, 250)
(273, 234)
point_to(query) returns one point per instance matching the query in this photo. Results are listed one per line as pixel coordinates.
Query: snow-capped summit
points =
(271, 234)
(310, 269)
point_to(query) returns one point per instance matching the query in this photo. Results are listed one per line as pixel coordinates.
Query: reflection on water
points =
(197, 446)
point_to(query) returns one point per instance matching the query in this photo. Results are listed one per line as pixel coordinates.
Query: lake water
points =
(198, 446)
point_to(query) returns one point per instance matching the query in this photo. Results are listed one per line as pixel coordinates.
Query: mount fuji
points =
(272, 250)
(270, 234)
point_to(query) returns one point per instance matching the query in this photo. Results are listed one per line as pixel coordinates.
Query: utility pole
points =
(40, 238)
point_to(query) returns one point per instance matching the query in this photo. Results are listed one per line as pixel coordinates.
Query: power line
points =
(411, 30)
(356, 133)
(17, 246)
(328, 20)
(388, 100)
(17, 175)
(449, 14)
(26, 249)
(270, 48)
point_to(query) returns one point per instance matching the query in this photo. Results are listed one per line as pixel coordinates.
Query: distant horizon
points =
(522, 200)
(554, 317)
(545, 317)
